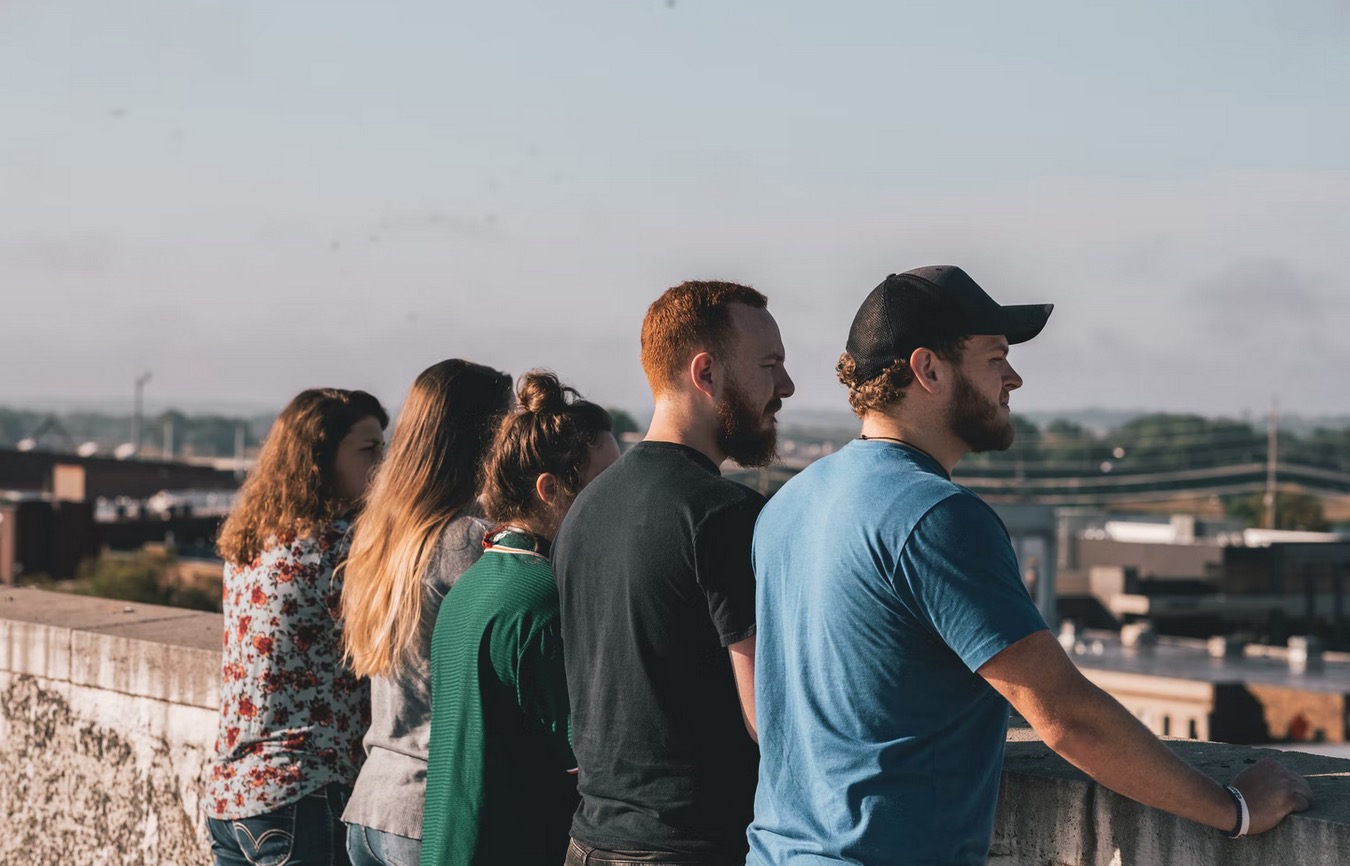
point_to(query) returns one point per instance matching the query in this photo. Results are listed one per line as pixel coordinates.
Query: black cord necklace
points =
(866, 438)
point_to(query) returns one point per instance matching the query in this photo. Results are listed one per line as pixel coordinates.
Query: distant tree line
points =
(1164, 442)
(1161, 443)
(195, 435)
(1154, 443)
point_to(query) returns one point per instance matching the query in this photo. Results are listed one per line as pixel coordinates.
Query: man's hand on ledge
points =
(1092, 731)
(1272, 791)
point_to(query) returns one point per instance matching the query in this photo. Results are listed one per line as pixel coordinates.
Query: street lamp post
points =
(136, 413)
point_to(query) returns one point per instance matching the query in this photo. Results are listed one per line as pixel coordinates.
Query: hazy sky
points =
(251, 198)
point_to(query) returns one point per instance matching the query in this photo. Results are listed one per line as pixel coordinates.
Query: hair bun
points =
(541, 393)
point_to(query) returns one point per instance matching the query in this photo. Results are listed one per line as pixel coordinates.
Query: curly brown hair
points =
(886, 389)
(293, 489)
(687, 319)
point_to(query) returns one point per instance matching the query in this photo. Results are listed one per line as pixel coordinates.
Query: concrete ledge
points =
(1050, 813)
(145, 650)
(108, 714)
(107, 722)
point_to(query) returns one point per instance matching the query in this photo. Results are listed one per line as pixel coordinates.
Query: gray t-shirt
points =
(391, 788)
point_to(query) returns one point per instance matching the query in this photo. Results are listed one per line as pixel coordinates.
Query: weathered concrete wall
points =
(1050, 814)
(107, 718)
(108, 715)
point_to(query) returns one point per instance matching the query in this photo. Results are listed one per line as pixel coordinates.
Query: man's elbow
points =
(1065, 736)
(1075, 724)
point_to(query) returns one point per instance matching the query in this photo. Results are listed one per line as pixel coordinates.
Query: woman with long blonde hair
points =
(291, 714)
(419, 532)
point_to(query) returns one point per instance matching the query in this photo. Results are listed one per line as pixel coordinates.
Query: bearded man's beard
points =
(975, 419)
(741, 434)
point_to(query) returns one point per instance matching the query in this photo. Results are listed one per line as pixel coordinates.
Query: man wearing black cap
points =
(894, 629)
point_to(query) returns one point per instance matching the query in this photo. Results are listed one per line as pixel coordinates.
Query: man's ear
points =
(701, 373)
(929, 370)
(547, 488)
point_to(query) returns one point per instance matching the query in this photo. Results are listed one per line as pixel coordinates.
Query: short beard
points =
(739, 435)
(975, 421)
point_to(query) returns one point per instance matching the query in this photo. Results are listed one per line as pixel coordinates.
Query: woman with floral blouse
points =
(292, 714)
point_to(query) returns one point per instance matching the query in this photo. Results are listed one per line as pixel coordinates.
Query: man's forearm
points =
(1100, 737)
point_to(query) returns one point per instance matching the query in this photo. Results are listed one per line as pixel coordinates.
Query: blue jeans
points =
(308, 832)
(581, 854)
(369, 847)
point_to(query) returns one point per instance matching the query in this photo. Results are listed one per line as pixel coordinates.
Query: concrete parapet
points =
(107, 720)
(1050, 814)
(108, 716)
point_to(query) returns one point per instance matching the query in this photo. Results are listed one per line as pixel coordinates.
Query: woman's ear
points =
(547, 488)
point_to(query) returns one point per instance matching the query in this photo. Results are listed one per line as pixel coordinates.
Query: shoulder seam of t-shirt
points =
(745, 498)
(987, 507)
(959, 491)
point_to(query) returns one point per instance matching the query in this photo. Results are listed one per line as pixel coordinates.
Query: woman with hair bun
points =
(291, 714)
(500, 780)
(420, 530)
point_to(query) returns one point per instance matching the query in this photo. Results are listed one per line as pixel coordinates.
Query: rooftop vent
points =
(1305, 654)
(1138, 635)
(1226, 647)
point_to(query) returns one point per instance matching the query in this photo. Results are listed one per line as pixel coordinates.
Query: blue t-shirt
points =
(882, 588)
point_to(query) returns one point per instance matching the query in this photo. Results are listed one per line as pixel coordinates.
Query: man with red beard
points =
(895, 630)
(658, 596)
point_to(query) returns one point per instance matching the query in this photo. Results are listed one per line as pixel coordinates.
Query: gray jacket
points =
(391, 788)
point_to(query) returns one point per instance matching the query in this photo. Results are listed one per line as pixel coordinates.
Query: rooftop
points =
(1190, 659)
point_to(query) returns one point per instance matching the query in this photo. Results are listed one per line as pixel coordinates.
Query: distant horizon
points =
(791, 415)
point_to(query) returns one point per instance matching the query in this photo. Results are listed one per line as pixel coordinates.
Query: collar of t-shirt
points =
(922, 457)
(656, 446)
(514, 538)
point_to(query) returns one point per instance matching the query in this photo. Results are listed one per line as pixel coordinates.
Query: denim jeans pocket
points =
(267, 840)
(368, 847)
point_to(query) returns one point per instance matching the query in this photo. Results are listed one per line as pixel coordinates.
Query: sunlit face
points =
(979, 412)
(358, 454)
(755, 383)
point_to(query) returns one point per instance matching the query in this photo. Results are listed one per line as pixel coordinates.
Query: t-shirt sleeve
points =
(541, 688)
(959, 567)
(725, 572)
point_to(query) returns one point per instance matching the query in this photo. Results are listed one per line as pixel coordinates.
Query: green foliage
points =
(1292, 511)
(1164, 442)
(1328, 448)
(623, 422)
(1062, 428)
(147, 576)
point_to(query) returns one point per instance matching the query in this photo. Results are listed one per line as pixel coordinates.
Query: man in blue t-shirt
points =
(894, 628)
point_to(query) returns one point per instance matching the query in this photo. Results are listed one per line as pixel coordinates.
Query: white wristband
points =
(1244, 821)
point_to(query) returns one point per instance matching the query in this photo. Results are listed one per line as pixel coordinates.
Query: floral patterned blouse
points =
(291, 714)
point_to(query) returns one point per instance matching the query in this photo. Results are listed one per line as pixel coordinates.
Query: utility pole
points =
(136, 413)
(239, 451)
(1272, 457)
(168, 437)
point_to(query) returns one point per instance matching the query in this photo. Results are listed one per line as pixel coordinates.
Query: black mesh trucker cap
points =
(926, 304)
